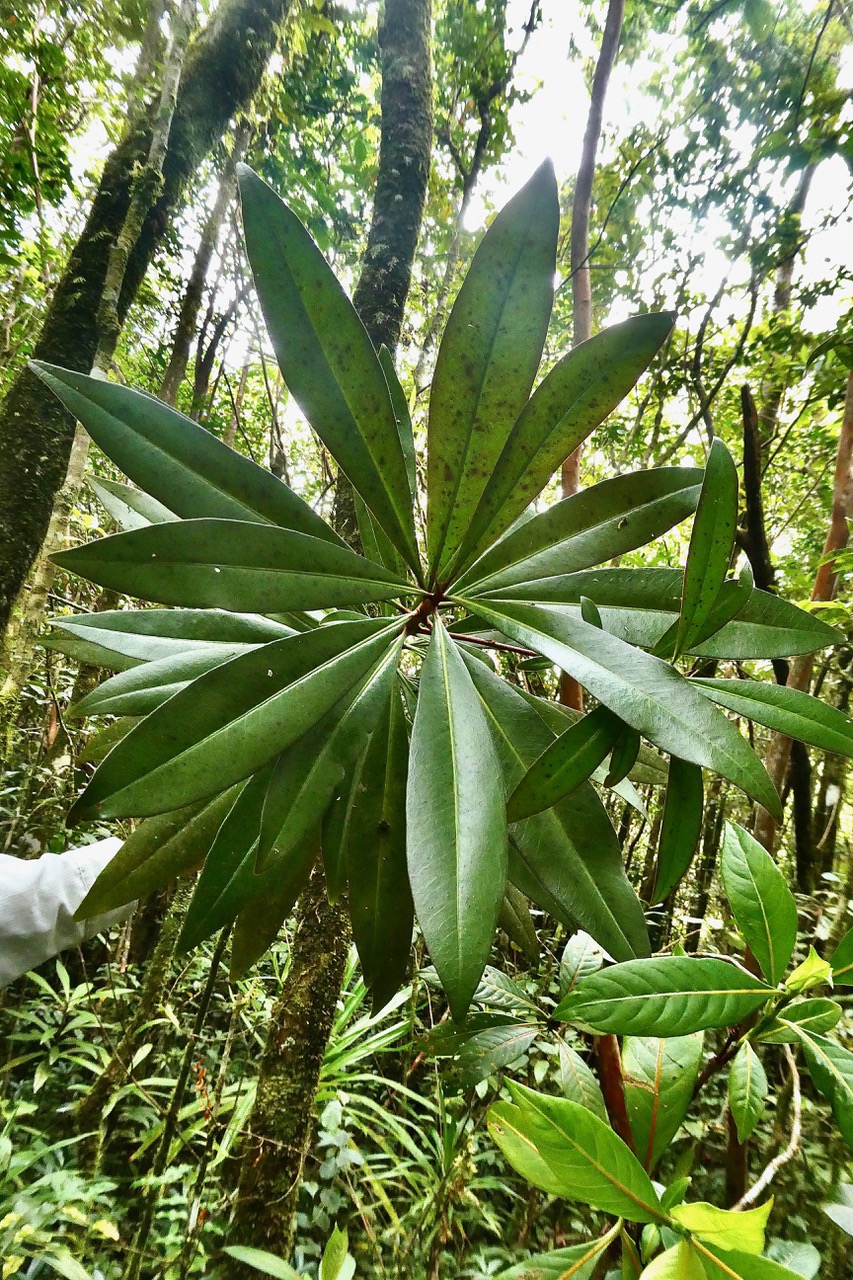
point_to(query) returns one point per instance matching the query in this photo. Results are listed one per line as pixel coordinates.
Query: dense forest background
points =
(130, 1072)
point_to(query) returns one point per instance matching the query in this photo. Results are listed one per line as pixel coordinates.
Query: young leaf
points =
(741, 1230)
(581, 956)
(660, 1076)
(379, 894)
(565, 764)
(327, 359)
(334, 1264)
(233, 565)
(592, 1164)
(488, 359)
(664, 996)
(567, 859)
(456, 824)
(816, 1015)
(232, 720)
(597, 524)
(680, 827)
(180, 464)
(711, 543)
(790, 711)
(645, 692)
(761, 901)
(578, 394)
(681, 1262)
(812, 972)
(747, 1090)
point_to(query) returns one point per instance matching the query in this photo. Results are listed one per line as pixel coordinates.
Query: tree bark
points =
(222, 73)
(283, 1118)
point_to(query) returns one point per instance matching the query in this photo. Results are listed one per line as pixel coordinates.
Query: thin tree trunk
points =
(191, 302)
(283, 1117)
(223, 71)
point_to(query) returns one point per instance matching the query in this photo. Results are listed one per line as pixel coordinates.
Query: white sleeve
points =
(38, 898)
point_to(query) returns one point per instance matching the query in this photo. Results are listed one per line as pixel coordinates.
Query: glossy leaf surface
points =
(660, 1077)
(747, 1090)
(761, 901)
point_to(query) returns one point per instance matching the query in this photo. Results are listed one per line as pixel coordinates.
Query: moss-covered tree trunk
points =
(283, 1116)
(223, 70)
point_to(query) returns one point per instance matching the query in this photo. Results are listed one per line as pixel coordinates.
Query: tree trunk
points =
(282, 1120)
(222, 73)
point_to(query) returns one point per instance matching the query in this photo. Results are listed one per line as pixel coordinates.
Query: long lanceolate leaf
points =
(578, 393)
(231, 564)
(229, 722)
(327, 359)
(565, 764)
(566, 859)
(646, 693)
(666, 996)
(711, 543)
(126, 637)
(456, 822)
(680, 827)
(144, 687)
(790, 711)
(761, 901)
(590, 527)
(591, 1163)
(831, 1068)
(175, 460)
(488, 359)
(129, 507)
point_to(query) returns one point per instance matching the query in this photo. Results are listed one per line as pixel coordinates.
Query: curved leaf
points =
(142, 688)
(747, 1091)
(176, 461)
(577, 1081)
(327, 359)
(130, 508)
(488, 358)
(456, 823)
(232, 720)
(732, 1229)
(711, 542)
(586, 529)
(761, 901)
(577, 1262)
(660, 1077)
(646, 693)
(145, 635)
(664, 996)
(817, 1015)
(231, 564)
(790, 711)
(567, 762)
(574, 398)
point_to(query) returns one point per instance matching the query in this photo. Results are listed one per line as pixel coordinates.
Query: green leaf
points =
(486, 1043)
(335, 828)
(747, 1090)
(722, 1264)
(488, 359)
(379, 895)
(732, 599)
(641, 605)
(741, 1230)
(327, 359)
(592, 1164)
(801, 1258)
(145, 635)
(842, 961)
(762, 904)
(269, 904)
(565, 764)
(681, 1262)
(231, 720)
(646, 693)
(577, 1262)
(308, 773)
(660, 1077)
(334, 1263)
(130, 508)
(517, 923)
(231, 564)
(577, 1082)
(268, 1263)
(581, 956)
(143, 688)
(841, 1211)
(155, 854)
(623, 757)
(592, 526)
(790, 711)
(664, 996)
(818, 1014)
(567, 859)
(176, 461)
(681, 826)
(711, 543)
(507, 1128)
(574, 398)
(831, 1069)
(813, 972)
(456, 823)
